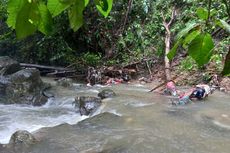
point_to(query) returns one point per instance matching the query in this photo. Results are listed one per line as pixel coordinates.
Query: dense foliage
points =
(133, 30)
(196, 37)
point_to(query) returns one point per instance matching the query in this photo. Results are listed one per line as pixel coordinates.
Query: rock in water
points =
(22, 137)
(8, 66)
(87, 105)
(106, 93)
(104, 118)
(65, 82)
(22, 87)
(20, 141)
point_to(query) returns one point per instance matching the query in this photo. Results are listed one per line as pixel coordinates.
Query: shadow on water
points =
(135, 121)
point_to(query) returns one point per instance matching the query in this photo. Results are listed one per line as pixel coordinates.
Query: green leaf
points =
(188, 28)
(226, 70)
(213, 12)
(27, 20)
(172, 52)
(57, 6)
(104, 6)
(200, 49)
(202, 13)
(224, 25)
(86, 2)
(13, 7)
(190, 37)
(45, 25)
(76, 15)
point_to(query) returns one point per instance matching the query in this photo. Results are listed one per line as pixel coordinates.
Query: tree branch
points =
(172, 16)
(209, 9)
(126, 15)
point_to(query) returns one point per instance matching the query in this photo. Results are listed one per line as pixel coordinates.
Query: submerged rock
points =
(88, 136)
(106, 93)
(22, 137)
(20, 142)
(103, 119)
(87, 105)
(8, 66)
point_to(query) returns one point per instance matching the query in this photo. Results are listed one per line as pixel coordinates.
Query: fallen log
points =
(157, 86)
(61, 73)
(43, 67)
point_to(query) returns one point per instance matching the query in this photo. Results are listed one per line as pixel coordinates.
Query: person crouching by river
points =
(201, 92)
(170, 88)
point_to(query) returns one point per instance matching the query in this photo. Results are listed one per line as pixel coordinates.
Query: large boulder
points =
(23, 87)
(87, 105)
(8, 66)
(106, 93)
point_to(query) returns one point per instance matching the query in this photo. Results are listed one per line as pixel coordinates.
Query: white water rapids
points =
(149, 123)
(17, 117)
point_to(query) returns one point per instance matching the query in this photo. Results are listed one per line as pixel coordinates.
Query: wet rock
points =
(20, 142)
(66, 138)
(3, 84)
(23, 87)
(106, 93)
(103, 119)
(65, 82)
(22, 137)
(8, 66)
(126, 77)
(87, 105)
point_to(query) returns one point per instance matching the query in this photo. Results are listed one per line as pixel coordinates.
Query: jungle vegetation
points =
(107, 32)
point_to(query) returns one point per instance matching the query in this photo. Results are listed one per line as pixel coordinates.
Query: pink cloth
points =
(171, 85)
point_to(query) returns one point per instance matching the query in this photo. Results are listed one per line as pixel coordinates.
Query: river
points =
(143, 122)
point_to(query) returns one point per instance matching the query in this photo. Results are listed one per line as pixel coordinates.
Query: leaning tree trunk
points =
(167, 44)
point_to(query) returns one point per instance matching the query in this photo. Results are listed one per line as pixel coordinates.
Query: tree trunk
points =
(167, 44)
(167, 62)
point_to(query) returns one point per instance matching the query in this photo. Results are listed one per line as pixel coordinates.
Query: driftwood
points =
(50, 70)
(43, 67)
(160, 85)
(61, 73)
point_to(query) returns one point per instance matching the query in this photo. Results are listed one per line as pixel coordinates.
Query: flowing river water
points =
(138, 122)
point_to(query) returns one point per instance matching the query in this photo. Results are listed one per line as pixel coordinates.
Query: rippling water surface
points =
(144, 122)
